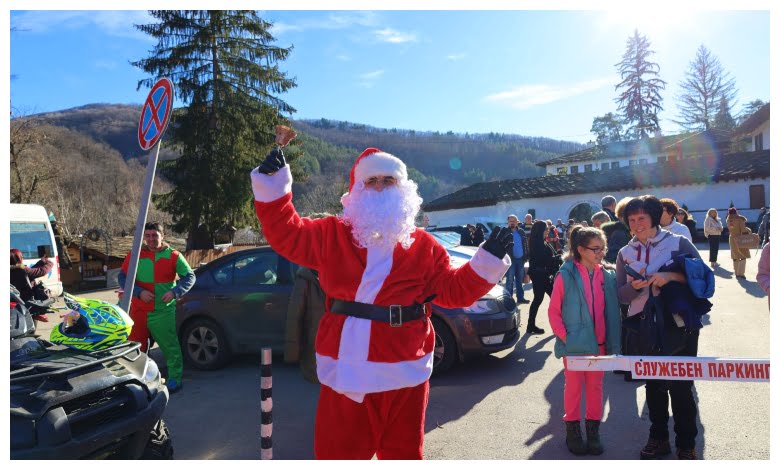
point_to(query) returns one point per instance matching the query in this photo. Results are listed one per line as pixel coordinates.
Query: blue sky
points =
(535, 73)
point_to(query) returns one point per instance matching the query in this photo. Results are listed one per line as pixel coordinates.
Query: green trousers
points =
(162, 325)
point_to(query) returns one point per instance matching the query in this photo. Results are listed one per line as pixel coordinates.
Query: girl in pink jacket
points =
(585, 318)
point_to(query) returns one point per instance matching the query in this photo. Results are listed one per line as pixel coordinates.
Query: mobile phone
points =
(633, 273)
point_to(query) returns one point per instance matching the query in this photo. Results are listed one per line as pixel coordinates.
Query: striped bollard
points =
(266, 405)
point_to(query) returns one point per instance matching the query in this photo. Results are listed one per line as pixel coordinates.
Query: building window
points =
(574, 169)
(562, 170)
(662, 159)
(757, 196)
(643, 161)
(758, 141)
(589, 167)
(631, 162)
(615, 164)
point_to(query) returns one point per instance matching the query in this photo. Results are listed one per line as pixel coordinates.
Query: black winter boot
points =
(594, 441)
(574, 438)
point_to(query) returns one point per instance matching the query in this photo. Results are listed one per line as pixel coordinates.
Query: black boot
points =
(574, 438)
(594, 441)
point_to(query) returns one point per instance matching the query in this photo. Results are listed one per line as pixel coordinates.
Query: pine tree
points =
(704, 86)
(225, 69)
(723, 119)
(640, 102)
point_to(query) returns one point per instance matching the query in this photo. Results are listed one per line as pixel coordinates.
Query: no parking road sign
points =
(155, 114)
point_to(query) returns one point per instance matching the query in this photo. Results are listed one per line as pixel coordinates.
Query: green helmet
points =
(99, 326)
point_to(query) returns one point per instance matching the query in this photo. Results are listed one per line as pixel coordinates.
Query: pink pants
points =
(389, 424)
(593, 385)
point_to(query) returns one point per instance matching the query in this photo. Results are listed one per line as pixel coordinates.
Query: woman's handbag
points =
(653, 332)
(747, 240)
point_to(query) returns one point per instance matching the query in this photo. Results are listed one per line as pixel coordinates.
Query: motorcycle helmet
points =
(100, 325)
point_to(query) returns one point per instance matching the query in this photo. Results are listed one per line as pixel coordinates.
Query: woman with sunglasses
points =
(585, 317)
(682, 216)
(650, 249)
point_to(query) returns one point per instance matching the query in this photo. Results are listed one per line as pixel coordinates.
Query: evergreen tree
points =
(225, 69)
(705, 85)
(640, 102)
(723, 119)
(607, 128)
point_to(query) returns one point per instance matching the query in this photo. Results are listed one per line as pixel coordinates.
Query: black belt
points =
(396, 315)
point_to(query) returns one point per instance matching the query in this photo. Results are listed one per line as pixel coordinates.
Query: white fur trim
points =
(380, 164)
(356, 332)
(355, 336)
(488, 267)
(379, 262)
(355, 377)
(269, 188)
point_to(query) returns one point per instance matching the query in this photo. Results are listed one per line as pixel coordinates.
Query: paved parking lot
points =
(507, 405)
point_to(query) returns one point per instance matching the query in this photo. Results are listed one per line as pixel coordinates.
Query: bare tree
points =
(706, 90)
(29, 171)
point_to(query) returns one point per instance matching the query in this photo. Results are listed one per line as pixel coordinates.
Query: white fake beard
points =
(382, 218)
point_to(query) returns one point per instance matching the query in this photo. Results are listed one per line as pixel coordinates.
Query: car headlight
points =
(483, 306)
(152, 374)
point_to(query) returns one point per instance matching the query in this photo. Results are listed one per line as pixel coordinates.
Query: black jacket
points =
(543, 261)
(618, 236)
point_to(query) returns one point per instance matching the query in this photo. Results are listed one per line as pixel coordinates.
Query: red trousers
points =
(389, 424)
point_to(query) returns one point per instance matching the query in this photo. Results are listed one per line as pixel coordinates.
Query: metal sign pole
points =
(138, 236)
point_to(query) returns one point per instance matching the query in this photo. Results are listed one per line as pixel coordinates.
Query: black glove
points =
(500, 242)
(273, 162)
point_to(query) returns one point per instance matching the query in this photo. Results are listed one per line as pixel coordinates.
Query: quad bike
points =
(94, 395)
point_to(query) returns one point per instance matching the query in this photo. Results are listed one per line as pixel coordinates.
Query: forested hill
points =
(439, 162)
(447, 156)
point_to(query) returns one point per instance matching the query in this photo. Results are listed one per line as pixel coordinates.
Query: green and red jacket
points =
(157, 273)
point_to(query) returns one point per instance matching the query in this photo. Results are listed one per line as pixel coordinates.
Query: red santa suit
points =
(374, 376)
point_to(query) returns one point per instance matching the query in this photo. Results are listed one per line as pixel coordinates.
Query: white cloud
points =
(394, 36)
(458, 56)
(344, 57)
(115, 22)
(339, 20)
(527, 96)
(372, 75)
(368, 79)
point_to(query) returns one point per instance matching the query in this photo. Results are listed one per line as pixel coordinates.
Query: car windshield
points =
(447, 239)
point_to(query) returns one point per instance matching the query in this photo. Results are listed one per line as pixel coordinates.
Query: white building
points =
(756, 128)
(698, 170)
(745, 184)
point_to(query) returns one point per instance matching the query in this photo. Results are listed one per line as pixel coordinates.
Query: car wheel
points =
(204, 345)
(159, 446)
(445, 350)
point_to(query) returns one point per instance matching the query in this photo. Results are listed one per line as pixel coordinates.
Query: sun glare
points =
(649, 21)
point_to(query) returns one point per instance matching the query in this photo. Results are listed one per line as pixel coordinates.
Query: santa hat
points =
(374, 162)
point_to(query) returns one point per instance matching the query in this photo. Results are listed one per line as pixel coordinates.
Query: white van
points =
(31, 234)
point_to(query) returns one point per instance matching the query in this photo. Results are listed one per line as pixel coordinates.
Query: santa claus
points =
(374, 345)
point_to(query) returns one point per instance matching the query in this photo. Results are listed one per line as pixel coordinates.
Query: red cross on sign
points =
(155, 114)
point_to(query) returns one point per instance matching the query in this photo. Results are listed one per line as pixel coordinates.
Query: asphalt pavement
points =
(508, 405)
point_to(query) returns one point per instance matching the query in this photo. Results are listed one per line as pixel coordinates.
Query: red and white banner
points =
(677, 367)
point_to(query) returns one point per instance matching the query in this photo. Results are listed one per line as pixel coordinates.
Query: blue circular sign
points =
(155, 114)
